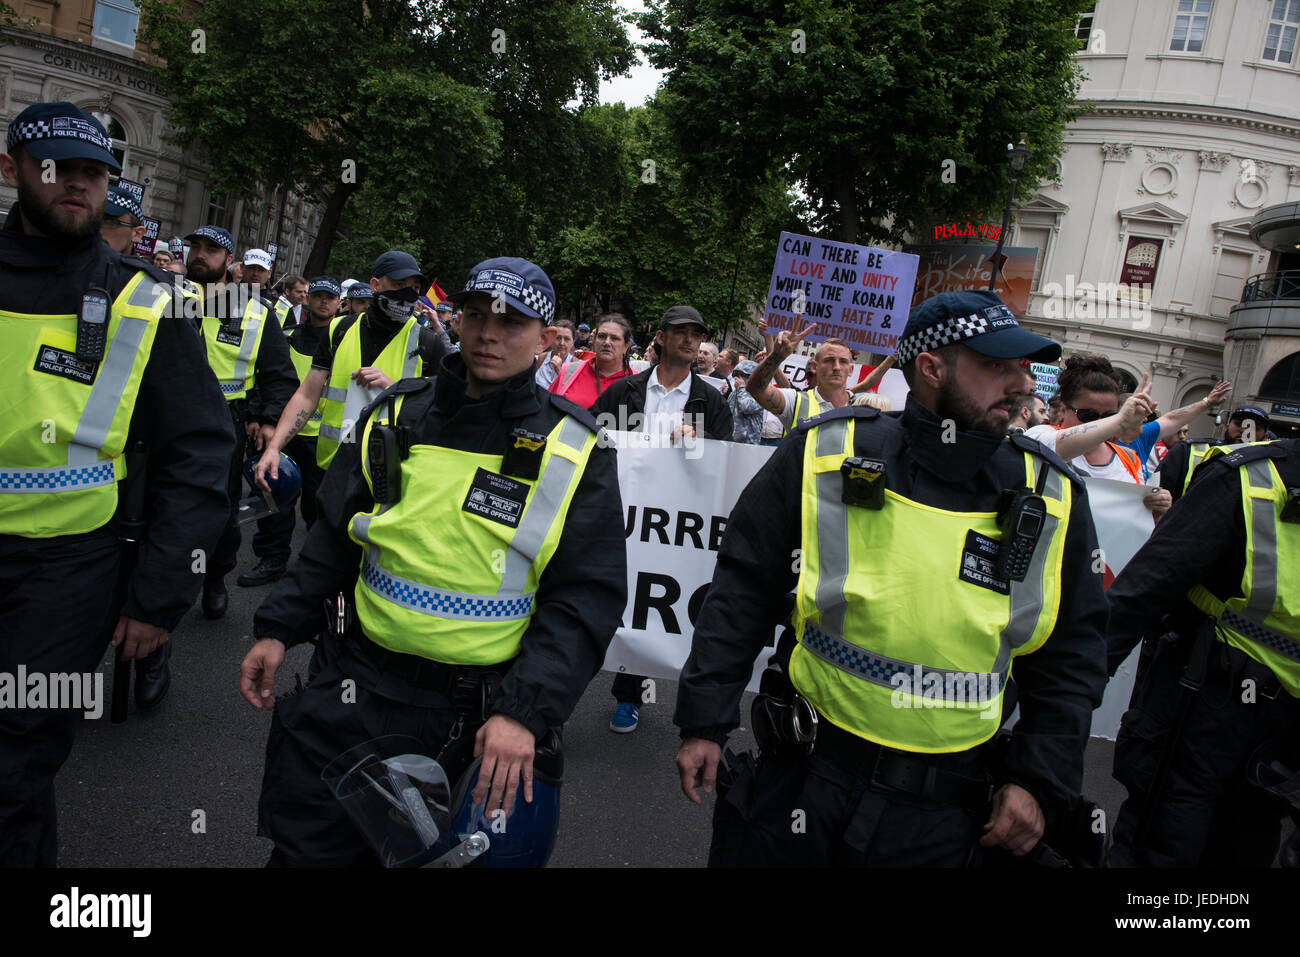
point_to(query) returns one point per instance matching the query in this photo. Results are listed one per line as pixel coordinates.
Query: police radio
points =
(92, 325)
(1021, 517)
(387, 446)
(1291, 510)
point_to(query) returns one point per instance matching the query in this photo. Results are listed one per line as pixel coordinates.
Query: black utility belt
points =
(900, 771)
(1236, 664)
(452, 681)
(238, 410)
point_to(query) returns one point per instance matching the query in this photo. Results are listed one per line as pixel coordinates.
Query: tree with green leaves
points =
(435, 112)
(655, 239)
(862, 105)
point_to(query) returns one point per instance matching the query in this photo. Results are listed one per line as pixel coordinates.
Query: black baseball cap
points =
(1250, 412)
(396, 264)
(683, 316)
(976, 318)
(61, 131)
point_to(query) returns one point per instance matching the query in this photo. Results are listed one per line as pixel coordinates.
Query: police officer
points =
(93, 360)
(123, 221)
(1247, 424)
(463, 542)
(272, 543)
(257, 274)
(1216, 595)
(914, 606)
(360, 357)
(246, 350)
(359, 297)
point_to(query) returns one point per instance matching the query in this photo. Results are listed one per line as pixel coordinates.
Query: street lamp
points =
(1017, 157)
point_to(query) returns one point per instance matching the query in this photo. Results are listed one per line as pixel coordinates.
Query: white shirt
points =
(1114, 469)
(664, 407)
(787, 414)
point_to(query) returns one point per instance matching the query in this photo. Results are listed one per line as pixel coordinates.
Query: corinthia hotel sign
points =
(101, 74)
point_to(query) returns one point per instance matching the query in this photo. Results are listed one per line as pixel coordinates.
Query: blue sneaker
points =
(626, 718)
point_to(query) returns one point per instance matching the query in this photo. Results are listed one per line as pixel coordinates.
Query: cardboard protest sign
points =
(856, 293)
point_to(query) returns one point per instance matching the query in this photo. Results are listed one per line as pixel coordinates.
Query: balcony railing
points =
(1273, 285)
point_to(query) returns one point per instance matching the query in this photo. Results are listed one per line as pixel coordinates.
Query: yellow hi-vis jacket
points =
(61, 453)
(1264, 620)
(302, 365)
(450, 571)
(896, 643)
(344, 398)
(806, 406)
(232, 353)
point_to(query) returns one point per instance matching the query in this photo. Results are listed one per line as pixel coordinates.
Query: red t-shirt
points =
(578, 383)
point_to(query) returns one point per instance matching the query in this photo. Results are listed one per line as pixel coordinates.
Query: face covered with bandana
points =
(396, 297)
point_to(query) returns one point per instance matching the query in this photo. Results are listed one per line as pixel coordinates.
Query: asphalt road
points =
(129, 794)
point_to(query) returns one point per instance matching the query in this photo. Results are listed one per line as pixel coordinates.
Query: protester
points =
(746, 413)
(1054, 410)
(670, 401)
(1092, 418)
(550, 363)
(1028, 411)
(162, 258)
(707, 358)
(293, 293)
(584, 381)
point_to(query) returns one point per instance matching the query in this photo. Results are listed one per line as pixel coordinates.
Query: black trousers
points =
(812, 813)
(313, 725)
(226, 556)
(274, 536)
(627, 687)
(1208, 814)
(58, 606)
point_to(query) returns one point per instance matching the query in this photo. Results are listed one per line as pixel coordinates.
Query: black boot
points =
(265, 572)
(153, 677)
(215, 598)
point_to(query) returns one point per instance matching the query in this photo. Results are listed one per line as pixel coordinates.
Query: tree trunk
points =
(846, 197)
(320, 250)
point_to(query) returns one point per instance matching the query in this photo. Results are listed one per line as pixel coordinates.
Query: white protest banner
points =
(1123, 526)
(675, 504)
(856, 293)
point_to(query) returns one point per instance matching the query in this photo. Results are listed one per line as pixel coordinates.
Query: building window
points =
(1189, 26)
(1283, 23)
(1083, 26)
(116, 20)
(219, 211)
(117, 133)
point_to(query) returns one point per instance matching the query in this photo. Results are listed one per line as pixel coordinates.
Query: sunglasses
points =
(1090, 415)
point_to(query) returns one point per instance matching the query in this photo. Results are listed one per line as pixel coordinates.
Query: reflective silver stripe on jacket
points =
(412, 356)
(335, 394)
(1263, 555)
(1026, 598)
(254, 314)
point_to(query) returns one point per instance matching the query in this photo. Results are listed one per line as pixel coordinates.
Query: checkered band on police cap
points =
(57, 128)
(945, 333)
(492, 276)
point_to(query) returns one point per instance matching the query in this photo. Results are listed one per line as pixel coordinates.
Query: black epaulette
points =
(156, 273)
(400, 387)
(573, 410)
(1034, 447)
(1252, 453)
(849, 411)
